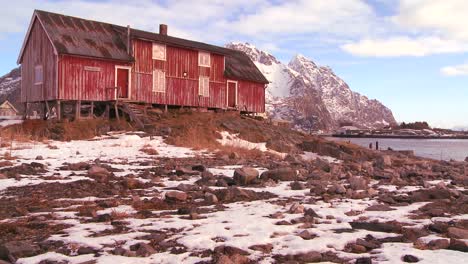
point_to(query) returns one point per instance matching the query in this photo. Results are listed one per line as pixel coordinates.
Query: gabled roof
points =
(81, 37)
(8, 105)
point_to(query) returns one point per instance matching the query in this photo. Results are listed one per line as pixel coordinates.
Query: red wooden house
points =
(68, 60)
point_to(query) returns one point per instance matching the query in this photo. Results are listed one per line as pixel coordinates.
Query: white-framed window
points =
(159, 51)
(159, 81)
(203, 59)
(204, 86)
(38, 74)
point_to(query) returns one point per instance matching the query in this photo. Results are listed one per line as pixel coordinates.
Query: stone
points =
(358, 183)
(369, 243)
(199, 167)
(3, 176)
(297, 186)
(337, 189)
(413, 233)
(356, 248)
(310, 212)
(175, 196)
(459, 245)
(296, 208)
(85, 250)
(281, 174)
(100, 174)
(211, 198)
(306, 235)
(410, 259)
(13, 250)
(384, 161)
(308, 257)
(245, 175)
(377, 226)
(104, 218)
(364, 260)
(457, 233)
(379, 207)
(265, 248)
(39, 157)
(143, 250)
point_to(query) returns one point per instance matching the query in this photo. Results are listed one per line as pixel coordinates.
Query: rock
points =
(308, 257)
(379, 207)
(306, 235)
(384, 161)
(186, 210)
(457, 233)
(39, 157)
(355, 248)
(318, 190)
(337, 189)
(439, 227)
(186, 171)
(413, 233)
(245, 176)
(13, 250)
(104, 218)
(364, 260)
(296, 208)
(281, 174)
(369, 243)
(100, 174)
(85, 250)
(410, 259)
(143, 249)
(199, 168)
(175, 196)
(3, 176)
(459, 245)
(183, 187)
(297, 186)
(358, 183)
(466, 159)
(377, 226)
(265, 248)
(235, 194)
(211, 198)
(310, 212)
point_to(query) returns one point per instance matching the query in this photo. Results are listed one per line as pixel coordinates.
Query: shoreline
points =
(395, 136)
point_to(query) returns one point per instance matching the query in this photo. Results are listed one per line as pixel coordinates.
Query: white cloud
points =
(457, 70)
(403, 46)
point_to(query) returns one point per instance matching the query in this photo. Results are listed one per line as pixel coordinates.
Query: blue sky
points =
(409, 54)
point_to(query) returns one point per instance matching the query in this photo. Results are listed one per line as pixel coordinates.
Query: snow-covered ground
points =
(241, 224)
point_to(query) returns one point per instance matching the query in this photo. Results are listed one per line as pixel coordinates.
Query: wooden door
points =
(123, 82)
(232, 94)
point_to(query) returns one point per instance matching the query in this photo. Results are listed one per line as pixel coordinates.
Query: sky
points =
(412, 55)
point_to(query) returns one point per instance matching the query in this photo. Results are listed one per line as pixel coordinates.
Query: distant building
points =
(8, 111)
(348, 130)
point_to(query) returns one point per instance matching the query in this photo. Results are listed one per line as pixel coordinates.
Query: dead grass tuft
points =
(148, 149)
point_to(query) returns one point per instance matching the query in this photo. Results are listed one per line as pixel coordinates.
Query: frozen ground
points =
(265, 229)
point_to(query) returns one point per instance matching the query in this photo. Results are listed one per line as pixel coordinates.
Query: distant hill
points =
(10, 85)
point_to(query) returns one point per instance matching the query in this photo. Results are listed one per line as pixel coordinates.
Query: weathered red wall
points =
(77, 83)
(251, 96)
(38, 51)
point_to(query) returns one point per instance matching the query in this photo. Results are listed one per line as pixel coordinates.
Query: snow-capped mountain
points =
(10, 87)
(306, 93)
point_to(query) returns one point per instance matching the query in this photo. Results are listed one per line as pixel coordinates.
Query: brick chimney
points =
(163, 29)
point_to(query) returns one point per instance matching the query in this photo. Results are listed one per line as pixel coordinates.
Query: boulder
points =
(380, 207)
(297, 186)
(143, 249)
(358, 183)
(13, 250)
(364, 260)
(337, 189)
(384, 161)
(459, 245)
(211, 198)
(312, 256)
(100, 174)
(457, 233)
(281, 174)
(410, 259)
(245, 175)
(175, 196)
(296, 208)
(377, 226)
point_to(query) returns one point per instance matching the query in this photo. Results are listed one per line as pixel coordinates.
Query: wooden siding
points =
(180, 90)
(38, 51)
(251, 96)
(86, 79)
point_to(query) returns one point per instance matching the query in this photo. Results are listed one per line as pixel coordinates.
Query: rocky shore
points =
(132, 198)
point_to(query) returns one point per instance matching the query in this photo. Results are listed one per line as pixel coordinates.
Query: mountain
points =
(312, 95)
(10, 88)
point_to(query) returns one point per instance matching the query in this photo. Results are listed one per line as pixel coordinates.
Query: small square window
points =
(203, 59)
(38, 74)
(204, 86)
(159, 52)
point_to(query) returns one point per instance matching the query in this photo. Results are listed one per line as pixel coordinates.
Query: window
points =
(204, 86)
(38, 74)
(159, 81)
(203, 59)
(159, 52)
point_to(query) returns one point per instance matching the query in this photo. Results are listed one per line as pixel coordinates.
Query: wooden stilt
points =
(47, 110)
(165, 108)
(78, 110)
(106, 112)
(59, 111)
(116, 111)
(26, 109)
(91, 113)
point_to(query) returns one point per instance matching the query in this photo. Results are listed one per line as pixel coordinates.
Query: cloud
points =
(403, 46)
(457, 70)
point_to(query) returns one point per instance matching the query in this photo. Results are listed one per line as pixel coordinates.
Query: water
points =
(439, 149)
